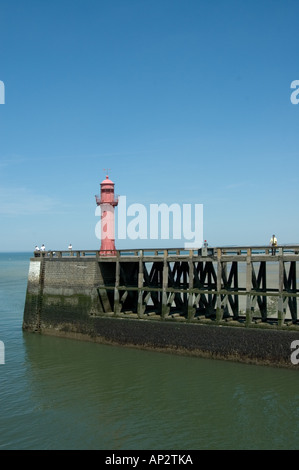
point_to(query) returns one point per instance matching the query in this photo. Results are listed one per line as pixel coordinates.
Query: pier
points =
(243, 285)
(233, 303)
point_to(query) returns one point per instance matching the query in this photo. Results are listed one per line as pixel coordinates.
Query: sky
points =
(184, 101)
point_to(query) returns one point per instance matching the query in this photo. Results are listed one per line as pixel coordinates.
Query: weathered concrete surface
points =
(61, 291)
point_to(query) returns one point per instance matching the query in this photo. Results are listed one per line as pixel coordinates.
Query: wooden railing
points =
(168, 252)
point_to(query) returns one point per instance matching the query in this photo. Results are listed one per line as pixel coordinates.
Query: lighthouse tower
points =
(107, 202)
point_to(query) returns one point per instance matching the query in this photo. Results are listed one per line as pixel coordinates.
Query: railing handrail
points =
(204, 251)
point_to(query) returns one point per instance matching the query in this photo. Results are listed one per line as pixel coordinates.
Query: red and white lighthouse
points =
(107, 201)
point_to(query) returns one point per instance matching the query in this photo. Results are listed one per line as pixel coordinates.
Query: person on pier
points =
(70, 249)
(36, 251)
(273, 243)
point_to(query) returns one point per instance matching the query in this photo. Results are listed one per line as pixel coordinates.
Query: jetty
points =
(185, 284)
(87, 294)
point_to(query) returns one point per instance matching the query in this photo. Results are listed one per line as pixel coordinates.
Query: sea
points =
(63, 394)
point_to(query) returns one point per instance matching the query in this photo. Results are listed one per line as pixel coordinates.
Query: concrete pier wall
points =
(61, 291)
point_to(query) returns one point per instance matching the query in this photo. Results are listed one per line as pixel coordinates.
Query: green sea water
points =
(64, 394)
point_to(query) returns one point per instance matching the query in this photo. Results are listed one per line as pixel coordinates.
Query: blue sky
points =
(184, 101)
